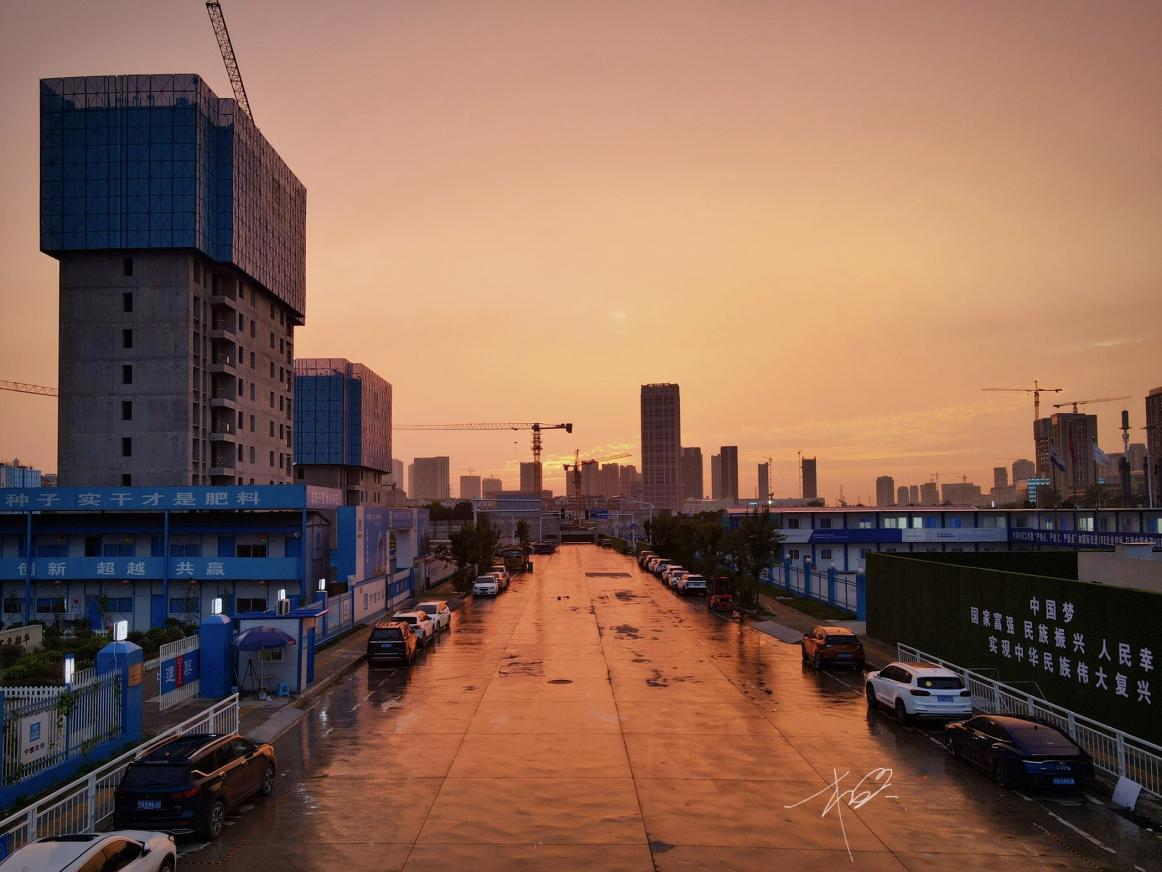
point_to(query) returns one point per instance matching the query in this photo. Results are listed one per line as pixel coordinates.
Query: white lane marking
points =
(368, 696)
(1079, 831)
(356, 706)
(1026, 798)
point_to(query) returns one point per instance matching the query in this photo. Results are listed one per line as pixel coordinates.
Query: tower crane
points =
(1035, 391)
(1076, 403)
(22, 388)
(218, 21)
(535, 426)
(576, 467)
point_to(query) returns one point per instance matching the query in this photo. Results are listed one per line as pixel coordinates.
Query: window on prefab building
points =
(50, 605)
(824, 524)
(13, 605)
(792, 523)
(250, 549)
(249, 604)
(120, 604)
(127, 266)
(825, 554)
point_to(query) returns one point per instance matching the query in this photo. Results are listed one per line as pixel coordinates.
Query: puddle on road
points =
(560, 681)
(517, 667)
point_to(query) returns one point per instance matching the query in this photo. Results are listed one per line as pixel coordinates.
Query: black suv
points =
(190, 783)
(392, 640)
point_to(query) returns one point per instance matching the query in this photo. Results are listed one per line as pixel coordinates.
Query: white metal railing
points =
(65, 725)
(1113, 750)
(84, 804)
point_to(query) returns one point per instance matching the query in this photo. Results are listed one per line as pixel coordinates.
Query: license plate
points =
(1063, 781)
(842, 656)
(941, 698)
(149, 803)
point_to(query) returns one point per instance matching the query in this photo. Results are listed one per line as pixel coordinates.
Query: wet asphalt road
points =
(590, 719)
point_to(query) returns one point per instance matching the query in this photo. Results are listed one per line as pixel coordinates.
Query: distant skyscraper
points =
(469, 487)
(885, 490)
(528, 478)
(810, 485)
(914, 494)
(181, 237)
(715, 476)
(692, 473)
(397, 476)
(1000, 477)
(661, 428)
(902, 495)
(490, 487)
(630, 481)
(929, 494)
(1154, 442)
(764, 481)
(728, 455)
(1023, 470)
(960, 493)
(589, 478)
(430, 479)
(1073, 436)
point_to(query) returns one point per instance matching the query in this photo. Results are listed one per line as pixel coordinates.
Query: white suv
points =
(919, 690)
(439, 612)
(422, 625)
(501, 574)
(692, 583)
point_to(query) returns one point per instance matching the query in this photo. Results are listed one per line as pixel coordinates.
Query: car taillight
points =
(185, 794)
(966, 693)
(916, 692)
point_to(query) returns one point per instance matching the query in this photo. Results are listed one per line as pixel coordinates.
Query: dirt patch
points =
(627, 631)
(627, 596)
(560, 681)
(518, 667)
(608, 575)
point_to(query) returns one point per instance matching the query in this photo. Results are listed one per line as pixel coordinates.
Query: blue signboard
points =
(839, 537)
(178, 671)
(1076, 538)
(156, 499)
(130, 568)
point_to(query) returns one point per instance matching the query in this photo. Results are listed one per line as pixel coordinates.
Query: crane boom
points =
(1035, 391)
(22, 388)
(1076, 403)
(218, 20)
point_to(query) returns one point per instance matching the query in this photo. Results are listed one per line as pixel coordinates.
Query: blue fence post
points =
(128, 658)
(215, 656)
(861, 597)
(787, 574)
(831, 585)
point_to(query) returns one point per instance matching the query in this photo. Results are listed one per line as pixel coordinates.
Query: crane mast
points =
(218, 20)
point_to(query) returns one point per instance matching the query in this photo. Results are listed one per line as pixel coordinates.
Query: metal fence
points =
(174, 669)
(840, 590)
(1113, 750)
(85, 804)
(43, 730)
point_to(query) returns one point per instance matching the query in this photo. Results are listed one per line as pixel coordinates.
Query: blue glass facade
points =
(342, 415)
(159, 161)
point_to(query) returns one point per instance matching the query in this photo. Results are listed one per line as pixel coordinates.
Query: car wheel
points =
(901, 711)
(215, 820)
(817, 661)
(167, 865)
(803, 652)
(871, 696)
(1000, 775)
(950, 746)
(267, 782)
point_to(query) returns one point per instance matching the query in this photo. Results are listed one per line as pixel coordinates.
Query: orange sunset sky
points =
(831, 223)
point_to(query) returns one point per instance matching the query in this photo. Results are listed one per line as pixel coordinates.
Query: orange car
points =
(832, 646)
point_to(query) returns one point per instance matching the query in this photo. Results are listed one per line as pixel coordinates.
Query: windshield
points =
(386, 634)
(939, 682)
(430, 608)
(842, 640)
(1042, 740)
(407, 619)
(694, 579)
(146, 776)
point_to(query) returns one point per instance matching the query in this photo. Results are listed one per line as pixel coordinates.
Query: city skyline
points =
(926, 231)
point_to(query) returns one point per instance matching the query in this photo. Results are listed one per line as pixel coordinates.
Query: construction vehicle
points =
(718, 596)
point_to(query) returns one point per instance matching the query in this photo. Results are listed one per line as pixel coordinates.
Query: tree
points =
(522, 533)
(753, 546)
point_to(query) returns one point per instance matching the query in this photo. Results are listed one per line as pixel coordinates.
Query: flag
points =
(1055, 458)
(1100, 457)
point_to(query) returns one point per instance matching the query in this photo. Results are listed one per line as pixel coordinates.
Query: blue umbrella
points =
(260, 638)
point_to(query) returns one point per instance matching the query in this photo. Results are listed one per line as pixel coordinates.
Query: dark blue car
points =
(1019, 753)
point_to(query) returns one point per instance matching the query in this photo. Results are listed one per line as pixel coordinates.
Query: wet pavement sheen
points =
(599, 722)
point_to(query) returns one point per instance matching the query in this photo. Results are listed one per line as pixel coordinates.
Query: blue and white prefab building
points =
(148, 554)
(843, 536)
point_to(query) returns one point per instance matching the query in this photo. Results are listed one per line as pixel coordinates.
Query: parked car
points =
(1018, 752)
(651, 562)
(692, 584)
(670, 574)
(918, 690)
(661, 565)
(501, 573)
(439, 612)
(189, 784)
(127, 851)
(486, 585)
(422, 625)
(392, 640)
(832, 646)
(643, 557)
